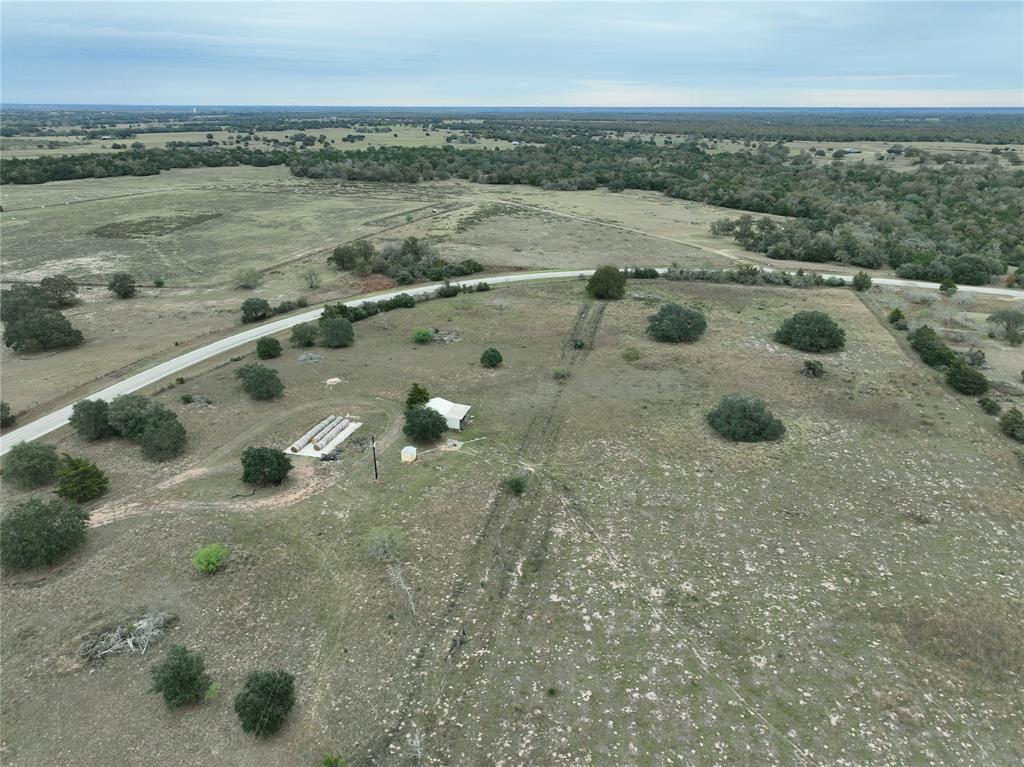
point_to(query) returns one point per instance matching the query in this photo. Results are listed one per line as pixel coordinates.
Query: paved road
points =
(56, 419)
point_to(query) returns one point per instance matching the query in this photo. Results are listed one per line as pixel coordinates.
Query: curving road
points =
(58, 418)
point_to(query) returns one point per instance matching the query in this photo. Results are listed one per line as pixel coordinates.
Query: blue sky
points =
(515, 54)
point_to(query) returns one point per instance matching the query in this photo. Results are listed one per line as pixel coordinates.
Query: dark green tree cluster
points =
(263, 704)
(424, 424)
(673, 323)
(966, 379)
(40, 533)
(491, 358)
(7, 418)
(259, 381)
(259, 309)
(1012, 424)
(29, 465)
(930, 348)
(268, 347)
(154, 427)
(33, 322)
(80, 480)
(410, 261)
(418, 396)
(367, 309)
(264, 466)
(811, 332)
(122, 285)
(180, 677)
(740, 418)
(608, 283)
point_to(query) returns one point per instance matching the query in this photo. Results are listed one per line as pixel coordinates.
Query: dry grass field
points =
(848, 595)
(196, 229)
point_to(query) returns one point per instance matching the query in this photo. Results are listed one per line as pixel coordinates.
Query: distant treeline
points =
(863, 212)
(821, 125)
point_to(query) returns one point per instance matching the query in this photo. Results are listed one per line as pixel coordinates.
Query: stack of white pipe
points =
(339, 426)
(310, 435)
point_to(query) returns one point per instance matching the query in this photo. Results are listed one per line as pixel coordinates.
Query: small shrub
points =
(264, 466)
(424, 424)
(259, 381)
(631, 354)
(31, 464)
(607, 283)
(745, 419)
(304, 334)
(966, 380)
(813, 369)
(811, 332)
(267, 348)
(896, 315)
(122, 285)
(383, 544)
(947, 287)
(180, 677)
(491, 358)
(1012, 424)
(482, 287)
(579, 343)
(158, 282)
(448, 291)
(990, 406)
(247, 279)
(422, 336)
(209, 559)
(861, 281)
(80, 480)
(331, 760)
(336, 332)
(561, 375)
(674, 323)
(418, 396)
(38, 533)
(6, 416)
(516, 485)
(975, 358)
(264, 702)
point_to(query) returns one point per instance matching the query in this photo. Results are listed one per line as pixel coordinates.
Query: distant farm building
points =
(455, 415)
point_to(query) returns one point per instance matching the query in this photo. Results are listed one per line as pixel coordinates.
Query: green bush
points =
(861, 281)
(383, 544)
(39, 328)
(38, 533)
(180, 677)
(491, 358)
(268, 347)
(989, 405)
(1012, 424)
(448, 290)
(422, 336)
(90, 419)
(896, 315)
(607, 283)
(336, 332)
(930, 348)
(164, 437)
(813, 369)
(259, 381)
(122, 285)
(80, 480)
(631, 354)
(966, 380)
(209, 559)
(674, 323)
(947, 287)
(6, 416)
(424, 424)
(304, 334)
(31, 464)
(516, 485)
(158, 282)
(264, 466)
(417, 397)
(264, 702)
(745, 419)
(255, 310)
(561, 375)
(811, 332)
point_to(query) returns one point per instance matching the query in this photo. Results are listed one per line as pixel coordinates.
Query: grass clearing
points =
(753, 601)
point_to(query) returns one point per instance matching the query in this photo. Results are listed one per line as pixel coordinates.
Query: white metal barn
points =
(454, 414)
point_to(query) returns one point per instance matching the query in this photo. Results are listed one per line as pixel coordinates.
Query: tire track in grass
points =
(511, 532)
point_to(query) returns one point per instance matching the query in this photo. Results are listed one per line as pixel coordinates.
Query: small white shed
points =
(454, 414)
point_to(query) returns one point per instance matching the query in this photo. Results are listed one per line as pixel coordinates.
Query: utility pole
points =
(373, 448)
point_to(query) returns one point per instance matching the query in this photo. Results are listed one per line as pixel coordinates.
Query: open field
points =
(197, 228)
(849, 595)
(401, 135)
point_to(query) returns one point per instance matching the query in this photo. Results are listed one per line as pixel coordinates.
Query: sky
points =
(478, 53)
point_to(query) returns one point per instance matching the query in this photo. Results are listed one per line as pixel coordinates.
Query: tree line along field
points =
(197, 229)
(656, 595)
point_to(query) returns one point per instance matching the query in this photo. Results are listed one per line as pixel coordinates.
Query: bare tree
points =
(395, 574)
(312, 278)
